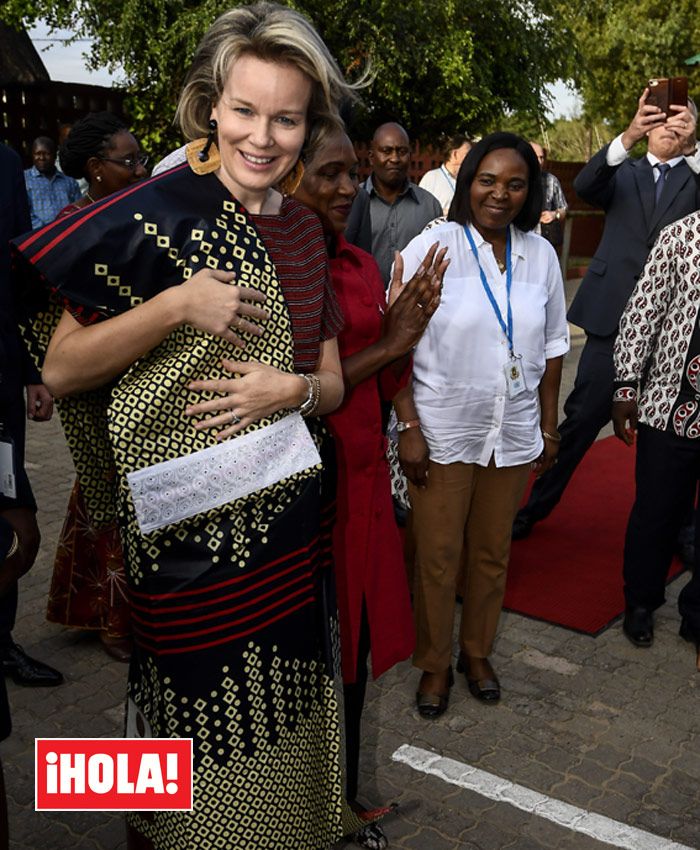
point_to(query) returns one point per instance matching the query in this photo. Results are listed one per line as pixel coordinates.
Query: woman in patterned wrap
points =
(198, 310)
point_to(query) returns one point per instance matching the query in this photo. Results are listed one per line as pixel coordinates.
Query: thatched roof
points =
(19, 60)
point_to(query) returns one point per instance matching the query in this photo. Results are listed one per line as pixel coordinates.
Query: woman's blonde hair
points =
(272, 33)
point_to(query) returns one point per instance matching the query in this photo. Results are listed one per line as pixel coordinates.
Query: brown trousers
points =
(464, 517)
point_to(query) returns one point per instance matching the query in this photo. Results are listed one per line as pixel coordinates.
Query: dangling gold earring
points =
(203, 154)
(290, 183)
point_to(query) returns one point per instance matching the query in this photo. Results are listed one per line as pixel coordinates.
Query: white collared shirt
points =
(459, 381)
(441, 183)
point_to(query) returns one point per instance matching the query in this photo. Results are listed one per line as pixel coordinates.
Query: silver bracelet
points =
(310, 404)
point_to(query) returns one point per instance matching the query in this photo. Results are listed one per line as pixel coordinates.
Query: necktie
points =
(663, 168)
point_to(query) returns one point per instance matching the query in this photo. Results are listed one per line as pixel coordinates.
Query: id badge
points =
(515, 377)
(8, 471)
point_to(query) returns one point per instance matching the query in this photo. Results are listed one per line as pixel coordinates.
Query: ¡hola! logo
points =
(117, 774)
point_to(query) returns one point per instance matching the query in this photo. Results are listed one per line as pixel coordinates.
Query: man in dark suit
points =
(639, 196)
(17, 372)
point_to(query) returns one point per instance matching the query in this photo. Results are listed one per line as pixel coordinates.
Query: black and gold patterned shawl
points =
(112, 256)
(227, 606)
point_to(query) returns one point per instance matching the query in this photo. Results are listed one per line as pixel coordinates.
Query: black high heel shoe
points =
(687, 634)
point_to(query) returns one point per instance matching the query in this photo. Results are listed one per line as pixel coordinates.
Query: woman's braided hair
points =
(90, 136)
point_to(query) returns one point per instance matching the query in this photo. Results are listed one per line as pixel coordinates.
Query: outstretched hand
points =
(411, 305)
(429, 273)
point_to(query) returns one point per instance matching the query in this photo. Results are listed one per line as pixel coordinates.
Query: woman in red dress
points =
(88, 586)
(373, 597)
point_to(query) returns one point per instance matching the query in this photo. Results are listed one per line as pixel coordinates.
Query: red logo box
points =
(116, 774)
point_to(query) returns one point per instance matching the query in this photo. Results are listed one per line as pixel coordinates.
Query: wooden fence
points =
(28, 110)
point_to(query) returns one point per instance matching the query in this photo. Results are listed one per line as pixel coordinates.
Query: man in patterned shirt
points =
(49, 190)
(658, 346)
(554, 204)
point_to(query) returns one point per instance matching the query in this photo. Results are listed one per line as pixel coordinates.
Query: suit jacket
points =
(632, 223)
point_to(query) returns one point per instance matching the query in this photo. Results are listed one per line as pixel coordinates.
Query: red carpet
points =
(569, 570)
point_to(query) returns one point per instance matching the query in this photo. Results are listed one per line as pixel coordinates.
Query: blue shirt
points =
(49, 195)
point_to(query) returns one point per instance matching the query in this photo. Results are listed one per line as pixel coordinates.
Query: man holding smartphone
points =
(640, 197)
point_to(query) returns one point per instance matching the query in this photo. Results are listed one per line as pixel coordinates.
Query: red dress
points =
(366, 542)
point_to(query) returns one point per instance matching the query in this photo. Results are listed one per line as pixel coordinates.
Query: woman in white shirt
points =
(441, 182)
(482, 407)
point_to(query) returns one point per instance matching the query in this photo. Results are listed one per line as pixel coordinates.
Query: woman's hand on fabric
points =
(414, 456)
(428, 275)
(624, 417)
(254, 391)
(213, 304)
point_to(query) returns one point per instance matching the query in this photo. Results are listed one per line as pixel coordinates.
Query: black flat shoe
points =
(638, 625)
(25, 670)
(433, 705)
(487, 689)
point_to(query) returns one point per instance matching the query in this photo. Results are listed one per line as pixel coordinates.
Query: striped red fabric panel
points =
(295, 242)
(225, 611)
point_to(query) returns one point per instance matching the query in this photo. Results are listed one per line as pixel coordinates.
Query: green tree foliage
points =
(566, 139)
(620, 44)
(438, 66)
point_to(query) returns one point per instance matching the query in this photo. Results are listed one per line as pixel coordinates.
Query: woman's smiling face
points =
(498, 191)
(262, 124)
(330, 183)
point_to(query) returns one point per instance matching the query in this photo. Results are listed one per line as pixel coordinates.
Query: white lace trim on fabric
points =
(168, 492)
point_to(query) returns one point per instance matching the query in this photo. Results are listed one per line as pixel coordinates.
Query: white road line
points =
(503, 791)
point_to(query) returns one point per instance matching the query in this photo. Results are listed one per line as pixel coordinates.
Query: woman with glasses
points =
(100, 149)
(201, 322)
(88, 587)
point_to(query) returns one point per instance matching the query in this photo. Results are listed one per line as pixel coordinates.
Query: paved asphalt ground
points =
(593, 723)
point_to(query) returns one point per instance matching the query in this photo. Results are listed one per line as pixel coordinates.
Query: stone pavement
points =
(593, 722)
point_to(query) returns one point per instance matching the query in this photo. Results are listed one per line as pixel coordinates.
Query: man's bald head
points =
(390, 155)
(390, 129)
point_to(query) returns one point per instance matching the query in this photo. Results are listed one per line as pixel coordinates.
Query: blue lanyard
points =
(507, 330)
(450, 179)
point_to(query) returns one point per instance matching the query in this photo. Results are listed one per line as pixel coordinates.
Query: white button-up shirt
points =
(459, 380)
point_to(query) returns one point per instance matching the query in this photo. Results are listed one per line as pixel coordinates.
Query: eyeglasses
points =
(399, 151)
(130, 162)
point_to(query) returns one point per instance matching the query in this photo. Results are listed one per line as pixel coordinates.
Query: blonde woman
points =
(198, 308)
